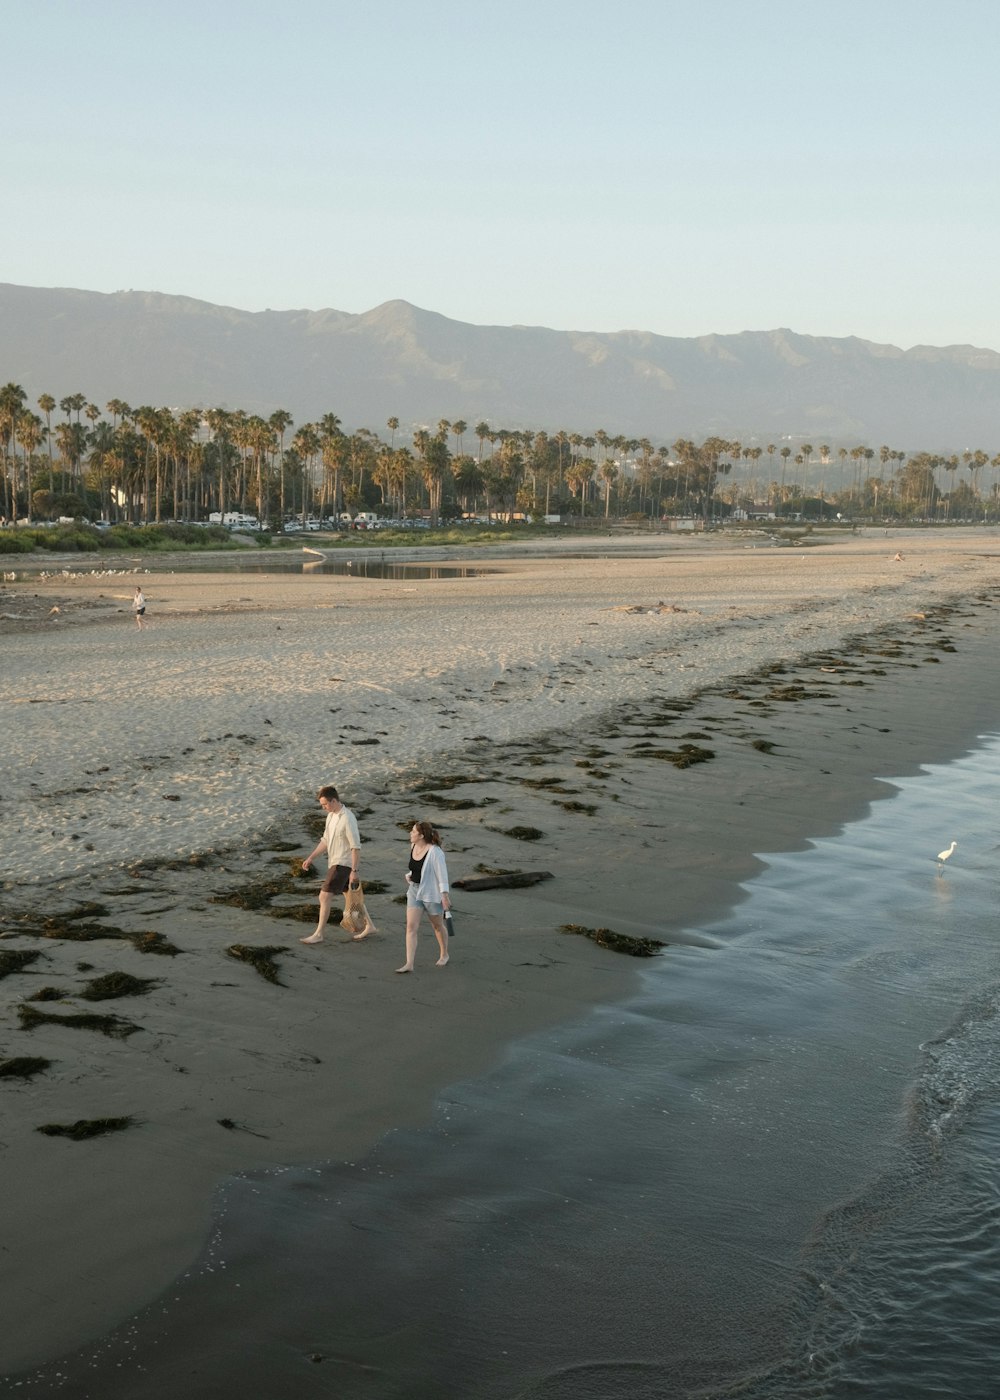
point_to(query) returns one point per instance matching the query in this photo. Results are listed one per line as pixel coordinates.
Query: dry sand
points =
(152, 772)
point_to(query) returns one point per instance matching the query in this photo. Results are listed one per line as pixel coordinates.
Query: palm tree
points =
(609, 475)
(12, 400)
(458, 430)
(29, 431)
(468, 480)
(280, 421)
(307, 444)
(392, 424)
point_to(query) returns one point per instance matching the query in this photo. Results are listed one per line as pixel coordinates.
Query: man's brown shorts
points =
(336, 880)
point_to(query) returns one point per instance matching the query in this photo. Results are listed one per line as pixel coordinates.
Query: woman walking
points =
(426, 891)
(139, 606)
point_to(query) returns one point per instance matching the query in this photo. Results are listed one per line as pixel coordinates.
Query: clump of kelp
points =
(261, 895)
(260, 959)
(23, 1066)
(85, 1128)
(117, 984)
(684, 757)
(80, 925)
(617, 942)
(16, 960)
(115, 1026)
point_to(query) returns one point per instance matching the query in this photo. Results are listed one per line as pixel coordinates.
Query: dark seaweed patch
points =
(153, 943)
(588, 807)
(616, 942)
(16, 960)
(684, 757)
(86, 1127)
(301, 913)
(23, 1066)
(762, 745)
(117, 984)
(445, 783)
(452, 804)
(49, 994)
(524, 833)
(113, 1026)
(259, 895)
(260, 959)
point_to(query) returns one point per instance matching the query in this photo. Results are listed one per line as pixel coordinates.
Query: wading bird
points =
(947, 855)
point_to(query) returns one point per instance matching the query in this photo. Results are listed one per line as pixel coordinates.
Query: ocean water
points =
(774, 1173)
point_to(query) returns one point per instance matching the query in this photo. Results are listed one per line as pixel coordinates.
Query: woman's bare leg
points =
(413, 914)
(441, 930)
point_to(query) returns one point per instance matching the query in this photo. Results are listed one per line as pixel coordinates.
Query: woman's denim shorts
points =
(412, 902)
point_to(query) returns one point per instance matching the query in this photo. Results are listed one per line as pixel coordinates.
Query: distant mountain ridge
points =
(398, 360)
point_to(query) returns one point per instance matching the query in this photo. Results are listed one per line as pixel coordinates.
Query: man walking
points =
(342, 846)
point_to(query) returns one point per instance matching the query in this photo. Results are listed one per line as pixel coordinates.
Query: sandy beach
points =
(151, 778)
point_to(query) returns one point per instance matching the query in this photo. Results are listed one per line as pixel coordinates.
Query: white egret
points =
(947, 855)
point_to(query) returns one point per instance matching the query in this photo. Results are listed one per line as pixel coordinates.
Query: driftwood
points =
(515, 880)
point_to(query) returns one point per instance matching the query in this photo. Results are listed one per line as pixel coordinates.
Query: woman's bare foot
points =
(313, 938)
(360, 937)
(441, 961)
(404, 969)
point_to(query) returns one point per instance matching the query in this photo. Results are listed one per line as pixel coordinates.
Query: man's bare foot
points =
(441, 961)
(404, 969)
(313, 938)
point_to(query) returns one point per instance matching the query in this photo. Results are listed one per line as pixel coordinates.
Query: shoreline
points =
(255, 1042)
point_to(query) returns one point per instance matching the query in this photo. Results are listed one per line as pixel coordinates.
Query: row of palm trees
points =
(152, 464)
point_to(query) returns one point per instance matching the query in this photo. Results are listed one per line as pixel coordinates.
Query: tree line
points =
(151, 464)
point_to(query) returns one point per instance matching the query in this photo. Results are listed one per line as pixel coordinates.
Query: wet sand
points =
(546, 696)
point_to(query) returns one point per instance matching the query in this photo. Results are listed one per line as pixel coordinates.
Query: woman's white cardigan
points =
(433, 877)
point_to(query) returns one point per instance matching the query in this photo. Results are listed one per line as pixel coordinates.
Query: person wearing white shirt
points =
(427, 892)
(341, 844)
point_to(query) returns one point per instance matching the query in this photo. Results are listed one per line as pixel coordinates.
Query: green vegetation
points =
(128, 465)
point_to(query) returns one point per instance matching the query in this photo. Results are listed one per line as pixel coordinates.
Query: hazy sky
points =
(678, 166)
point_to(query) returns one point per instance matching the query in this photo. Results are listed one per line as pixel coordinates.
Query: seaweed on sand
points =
(589, 807)
(450, 804)
(114, 1026)
(684, 757)
(153, 943)
(524, 833)
(260, 895)
(301, 913)
(16, 960)
(795, 692)
(117, 984)
(86, 1127)
(49, 994)
(617, 942)
(445, 783)
(260, 959)
(23, 1066)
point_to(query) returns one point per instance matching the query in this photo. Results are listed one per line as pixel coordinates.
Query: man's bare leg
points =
(325, 905)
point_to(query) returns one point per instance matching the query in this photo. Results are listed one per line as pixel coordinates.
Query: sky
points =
(711, 166)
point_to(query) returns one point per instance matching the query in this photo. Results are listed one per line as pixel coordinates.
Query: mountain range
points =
(400, 361)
